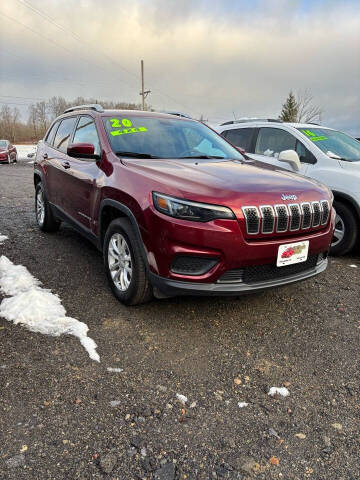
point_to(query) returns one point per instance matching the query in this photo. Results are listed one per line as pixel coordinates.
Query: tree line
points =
(41, 114)
(298, 108)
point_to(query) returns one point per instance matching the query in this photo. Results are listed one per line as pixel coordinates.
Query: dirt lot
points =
(64, 416)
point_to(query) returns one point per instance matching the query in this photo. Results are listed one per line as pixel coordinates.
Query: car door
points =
(270, 142)
(57, 162)
(83, 174)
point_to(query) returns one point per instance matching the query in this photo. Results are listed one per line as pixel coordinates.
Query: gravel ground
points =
(64, 416)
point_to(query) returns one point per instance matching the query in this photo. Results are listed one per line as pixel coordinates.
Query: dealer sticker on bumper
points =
(292, 253)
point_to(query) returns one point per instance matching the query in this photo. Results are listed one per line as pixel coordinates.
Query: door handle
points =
(66, 165)
(45, 156)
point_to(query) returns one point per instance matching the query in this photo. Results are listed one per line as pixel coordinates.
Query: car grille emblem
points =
(288, 197)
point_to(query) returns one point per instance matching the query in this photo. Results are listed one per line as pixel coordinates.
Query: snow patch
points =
(182, 399)
(242, 404)
(3, 238)
(37, 308)
(115, 370)
(284, 392)
(352, 266)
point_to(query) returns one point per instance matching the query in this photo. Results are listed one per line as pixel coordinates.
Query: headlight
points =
(187, 210)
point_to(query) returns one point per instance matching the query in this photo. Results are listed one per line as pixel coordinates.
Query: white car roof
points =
(268, 124)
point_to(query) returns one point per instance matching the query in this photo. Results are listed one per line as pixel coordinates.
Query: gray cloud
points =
(213, 58)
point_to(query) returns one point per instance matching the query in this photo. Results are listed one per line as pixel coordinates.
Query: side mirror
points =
(81, 150)
(291, 157)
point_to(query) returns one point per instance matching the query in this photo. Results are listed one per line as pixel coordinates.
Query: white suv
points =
(324, 154)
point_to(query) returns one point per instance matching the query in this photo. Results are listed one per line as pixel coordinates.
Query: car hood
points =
(227, 181)
(353, 167)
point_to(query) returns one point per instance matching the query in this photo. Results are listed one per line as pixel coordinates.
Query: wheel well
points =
(348, 203)
(108, 214)
(37, 179)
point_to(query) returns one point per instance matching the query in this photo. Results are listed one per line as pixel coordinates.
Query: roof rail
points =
(247, 120)
(178, 114)
(93, 106)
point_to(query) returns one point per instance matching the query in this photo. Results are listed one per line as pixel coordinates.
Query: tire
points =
(129, 283)
(44, 216)
(346, 230)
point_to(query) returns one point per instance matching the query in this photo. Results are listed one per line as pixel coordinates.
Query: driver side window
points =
(86, 133)
(272, 141)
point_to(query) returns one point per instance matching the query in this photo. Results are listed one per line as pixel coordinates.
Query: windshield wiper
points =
(135, 155)
(204, 156)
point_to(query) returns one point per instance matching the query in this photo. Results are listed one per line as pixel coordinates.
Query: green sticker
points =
(126, 131)
(125, 122)
(313, 137)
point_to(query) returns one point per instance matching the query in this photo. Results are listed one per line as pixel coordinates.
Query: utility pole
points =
(143, 93)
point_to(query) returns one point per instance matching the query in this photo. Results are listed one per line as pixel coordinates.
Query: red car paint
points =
(78, 187)
(8, 152)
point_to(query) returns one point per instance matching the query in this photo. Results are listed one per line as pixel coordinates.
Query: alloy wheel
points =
(120, 262)
(40, 207)
(339, 232)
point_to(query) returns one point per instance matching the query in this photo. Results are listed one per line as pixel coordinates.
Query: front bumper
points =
(170, 288)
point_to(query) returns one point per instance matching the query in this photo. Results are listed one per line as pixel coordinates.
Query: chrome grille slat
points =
(252, 218)
(267, 219)
(282, 218)
(316, 211)
(306, 215)
(295, 217)
(325, 212)
(292, 217)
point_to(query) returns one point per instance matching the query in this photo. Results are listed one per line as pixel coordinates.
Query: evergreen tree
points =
(290, 109)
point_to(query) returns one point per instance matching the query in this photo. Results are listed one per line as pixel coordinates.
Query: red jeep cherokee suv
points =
(175, 208)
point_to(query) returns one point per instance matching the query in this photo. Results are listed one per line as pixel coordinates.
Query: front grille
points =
(262, 273)
(282, 218)
(192, 265)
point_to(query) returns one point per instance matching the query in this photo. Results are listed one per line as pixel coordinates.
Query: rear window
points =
(63, 134)
(240, 137)
(51, 133)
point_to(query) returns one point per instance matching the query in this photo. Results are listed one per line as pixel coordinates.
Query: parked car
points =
(8, 152)
(322, 153)
(174, 207)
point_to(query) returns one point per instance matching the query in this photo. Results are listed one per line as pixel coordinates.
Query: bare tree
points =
(9, 119)
(56, 106)
(307, 111)
(32, 121)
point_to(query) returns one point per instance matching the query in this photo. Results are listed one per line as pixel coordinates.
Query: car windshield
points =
(161, 137)
(334, 144)
(3, 143)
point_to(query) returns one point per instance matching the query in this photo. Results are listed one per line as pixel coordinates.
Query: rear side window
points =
(240, 137)
(51, 133)
(63, 134)
(272, 141)
(86, 133)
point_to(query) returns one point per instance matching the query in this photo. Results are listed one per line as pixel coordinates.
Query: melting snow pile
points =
(36, 308)
(2, 238)
(284, 392)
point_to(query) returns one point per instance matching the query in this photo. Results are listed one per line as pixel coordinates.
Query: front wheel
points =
(125, 267)
(346, 230)
(44, 216)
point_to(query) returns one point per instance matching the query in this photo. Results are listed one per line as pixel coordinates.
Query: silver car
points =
(318, 152)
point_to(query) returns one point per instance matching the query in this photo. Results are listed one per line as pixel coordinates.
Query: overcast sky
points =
(216, 58)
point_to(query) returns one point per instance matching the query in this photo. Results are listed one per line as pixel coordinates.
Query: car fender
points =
(127, 213)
